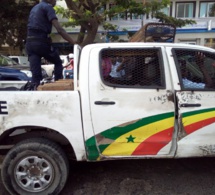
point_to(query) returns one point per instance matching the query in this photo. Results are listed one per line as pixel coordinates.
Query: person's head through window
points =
(71, 56)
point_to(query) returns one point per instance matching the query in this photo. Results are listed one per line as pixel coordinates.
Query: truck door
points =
(131, 102)
(196, 69)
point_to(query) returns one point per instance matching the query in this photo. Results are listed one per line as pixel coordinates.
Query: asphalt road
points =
(141, 177)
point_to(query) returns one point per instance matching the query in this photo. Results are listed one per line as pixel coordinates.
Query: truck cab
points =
(149, 111)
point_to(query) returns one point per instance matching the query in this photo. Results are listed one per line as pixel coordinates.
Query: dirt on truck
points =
(127, 101)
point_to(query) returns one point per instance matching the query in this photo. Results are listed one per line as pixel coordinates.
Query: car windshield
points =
(6, 61)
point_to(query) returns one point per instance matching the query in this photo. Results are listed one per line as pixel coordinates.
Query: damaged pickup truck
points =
(126, 101)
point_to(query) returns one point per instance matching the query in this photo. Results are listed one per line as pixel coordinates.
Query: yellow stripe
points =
(196, 118)
(121, 147)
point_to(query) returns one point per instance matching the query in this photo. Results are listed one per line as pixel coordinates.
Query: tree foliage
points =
(13, 20)
(89, 15)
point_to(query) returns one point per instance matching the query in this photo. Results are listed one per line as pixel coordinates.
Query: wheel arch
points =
(13, 136)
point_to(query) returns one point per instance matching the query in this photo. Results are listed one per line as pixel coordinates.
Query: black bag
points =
(29, 87)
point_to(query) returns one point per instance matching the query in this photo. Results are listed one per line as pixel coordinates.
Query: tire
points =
(35, 166)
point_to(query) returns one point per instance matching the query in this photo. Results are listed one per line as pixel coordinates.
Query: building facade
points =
(201, 33)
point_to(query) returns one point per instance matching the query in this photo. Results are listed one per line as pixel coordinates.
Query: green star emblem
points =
(130, 139)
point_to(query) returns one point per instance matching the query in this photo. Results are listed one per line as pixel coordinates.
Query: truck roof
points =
(145, 44)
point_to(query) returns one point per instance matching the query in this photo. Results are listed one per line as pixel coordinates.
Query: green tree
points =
(13, 20)
(89, 14)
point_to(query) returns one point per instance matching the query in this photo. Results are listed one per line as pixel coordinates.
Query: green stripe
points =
(91, 149)
(115, 132)
(198, 112)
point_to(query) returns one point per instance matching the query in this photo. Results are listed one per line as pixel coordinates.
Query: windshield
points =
(6, 61)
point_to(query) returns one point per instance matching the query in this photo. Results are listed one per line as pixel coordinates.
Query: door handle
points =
(190, 105)
(104, 103)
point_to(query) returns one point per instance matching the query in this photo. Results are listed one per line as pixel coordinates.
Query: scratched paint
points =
(187, 97)
(162, 99)
(207, 150)
(144, 137)
(148, 138)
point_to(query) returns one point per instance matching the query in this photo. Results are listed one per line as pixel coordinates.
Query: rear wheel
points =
(35, 166)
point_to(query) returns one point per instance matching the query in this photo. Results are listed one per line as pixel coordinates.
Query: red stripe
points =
(195, 126)
(153, 144)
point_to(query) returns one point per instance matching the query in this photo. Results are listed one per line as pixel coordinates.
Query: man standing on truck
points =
(38, 42)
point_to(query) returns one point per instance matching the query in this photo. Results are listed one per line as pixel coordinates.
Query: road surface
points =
(141, 177)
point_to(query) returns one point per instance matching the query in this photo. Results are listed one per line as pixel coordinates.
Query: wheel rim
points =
(34, 174)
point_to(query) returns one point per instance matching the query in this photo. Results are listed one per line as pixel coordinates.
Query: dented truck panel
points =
(144, 120)
(197, 132)
(48, 109)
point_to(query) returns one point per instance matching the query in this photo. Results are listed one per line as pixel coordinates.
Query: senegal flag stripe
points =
(195, 126)
(197, 117)
(116, 132)
(122, 146)
(198, 112)
(153, 144)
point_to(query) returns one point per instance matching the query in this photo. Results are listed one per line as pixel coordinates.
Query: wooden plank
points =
(61, 85)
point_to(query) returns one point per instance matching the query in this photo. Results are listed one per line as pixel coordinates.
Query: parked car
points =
(12, 74)
(20, 59)
(49, 68)
(21, 63)
(7, 62)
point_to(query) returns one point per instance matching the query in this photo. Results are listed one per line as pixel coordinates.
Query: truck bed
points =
(61, 85)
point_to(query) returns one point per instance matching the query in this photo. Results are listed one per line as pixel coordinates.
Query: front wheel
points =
(35, 166)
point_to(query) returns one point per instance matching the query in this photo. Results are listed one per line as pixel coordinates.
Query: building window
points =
(207, 9)
(185, 10)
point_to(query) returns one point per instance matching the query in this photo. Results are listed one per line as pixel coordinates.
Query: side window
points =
(196, 68)
(132, 68)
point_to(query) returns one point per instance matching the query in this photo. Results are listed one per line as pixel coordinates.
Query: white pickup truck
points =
(128, 101)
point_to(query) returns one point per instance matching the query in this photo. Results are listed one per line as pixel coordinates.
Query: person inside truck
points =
(106, 67)
(38, 42)
(117, 68)
(68, 69)
(187, 83)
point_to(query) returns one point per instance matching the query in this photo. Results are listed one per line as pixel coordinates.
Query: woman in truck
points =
(68, 69)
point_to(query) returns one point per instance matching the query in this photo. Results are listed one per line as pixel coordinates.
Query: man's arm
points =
(62, 32)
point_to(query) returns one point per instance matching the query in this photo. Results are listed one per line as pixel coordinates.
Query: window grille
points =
(132, 68)
(196, 69)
